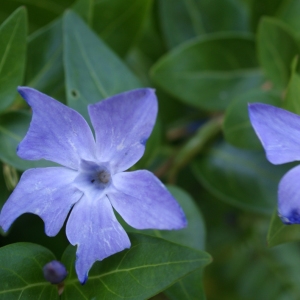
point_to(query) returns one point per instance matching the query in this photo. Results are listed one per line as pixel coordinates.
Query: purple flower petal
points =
(289, 197)
(46, 192)
(123, 124)
(278, 131)
(56, 133)
(92, 226)
(144, 202)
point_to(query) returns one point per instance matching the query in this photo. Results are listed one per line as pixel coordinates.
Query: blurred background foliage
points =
(207, 59)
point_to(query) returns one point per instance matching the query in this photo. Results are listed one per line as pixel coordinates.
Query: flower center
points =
(93, 179)
(104, 176)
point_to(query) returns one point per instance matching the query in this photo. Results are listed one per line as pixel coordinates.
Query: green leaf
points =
(93, 72)
(40, 12)
(208, 72)
(191, 286)
(152, 147)
(277, 47)
(12, 55)
(192, 236)
(180, 20)
(263, 8)
(85, 9)
(13, 128)
(148, 267)
(237, 127)
(188, 288)
(21, 275)
(204, 134)
(270, 273)
(121, 21)
(3, 186)
(224, 15)
(292, 98)
(280, 233)
(242, 178)
(289, 14)
(44, 70)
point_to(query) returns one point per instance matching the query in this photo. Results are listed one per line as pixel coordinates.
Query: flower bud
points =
(55, 272)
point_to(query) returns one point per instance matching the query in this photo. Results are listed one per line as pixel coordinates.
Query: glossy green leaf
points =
(271, 273)
(85, 9)
(182, 20)
(292, 97)
(188, 288)
(117, 22)
(3, 185)
(152, 147)
(13, 128)
(151, 43)
(277, 47)
(289, 14)
(44, 70)
(280, 233)
(237, 127)
(224, 15)
(191, 286)
(241, 178)
(21, 275)
(209, 72)
(93, 72)
(148, 267)
(264, 8)
(40, 12)
(192, 236)
(12, 56)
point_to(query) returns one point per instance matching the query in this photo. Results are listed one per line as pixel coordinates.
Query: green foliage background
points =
(207, 59)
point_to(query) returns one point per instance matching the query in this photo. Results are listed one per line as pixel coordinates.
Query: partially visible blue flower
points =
(55, 272)
(91, 181)
(279, 133)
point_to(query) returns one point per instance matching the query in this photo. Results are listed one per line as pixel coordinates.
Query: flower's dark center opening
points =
(104, 176)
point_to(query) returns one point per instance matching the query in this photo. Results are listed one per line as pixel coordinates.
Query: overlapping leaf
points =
(182, 20)
(40, 12)
(280, 233)
(209, 72)
(292, 97)
(120, 28)
(237, 127)
(93, 72)
(277, 47)
(21, 274)
(12, 56)
(242, 178)
(44, 70)
(192, 236)
(148, 267)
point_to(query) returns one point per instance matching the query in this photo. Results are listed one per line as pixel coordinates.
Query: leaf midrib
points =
(96, 277)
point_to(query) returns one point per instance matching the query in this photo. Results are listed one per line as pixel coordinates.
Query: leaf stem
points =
(192, 148)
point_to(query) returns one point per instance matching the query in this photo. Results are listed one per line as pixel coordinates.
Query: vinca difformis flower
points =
(91, 181)
(279, 133)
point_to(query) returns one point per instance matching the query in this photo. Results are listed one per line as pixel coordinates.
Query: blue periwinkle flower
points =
(91, 181)
(55, 272)
(279, 133)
